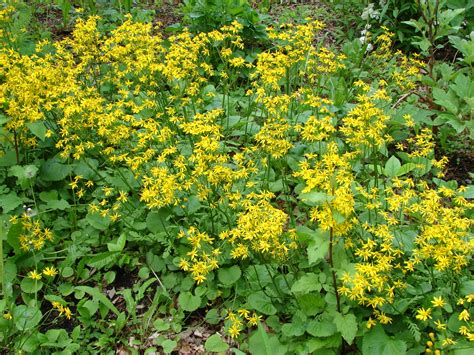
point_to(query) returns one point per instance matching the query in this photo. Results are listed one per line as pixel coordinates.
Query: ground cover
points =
(243, 179)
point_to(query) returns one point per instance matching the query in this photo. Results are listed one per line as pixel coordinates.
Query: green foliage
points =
(289, 201)
(208, 15)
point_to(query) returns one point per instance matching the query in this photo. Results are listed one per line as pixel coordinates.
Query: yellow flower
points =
(464, 315)
(423, 314)
(438, 302)
(234, 331)
(440, 325)
(254, 319)
(34, 275)
(370, 323)
(448, 341)
(67, 312)
(7, 316)
(50, 271)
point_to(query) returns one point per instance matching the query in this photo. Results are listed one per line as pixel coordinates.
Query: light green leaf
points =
(46, 196)
(97, 295)
(161, 325)
(392, 166)
(311, 303)
(168, 345)
(374, 340)
(103, 259)
(156, 220)
(306, 284)
(395, 347)
(188, 301)
(58, 205)
(37, 128)
(53, 170)
(10, 201)
(261, 343)
(261, 303)
(97, 221)
(30, 286)
(315, 198)
(323, 328)
(26, 317)
(318, 246)
(347, 326)
(215, 344)
(229, 276)
(117, 245)
(406, 168)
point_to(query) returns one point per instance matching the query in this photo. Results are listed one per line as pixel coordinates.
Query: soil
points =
(459, 166)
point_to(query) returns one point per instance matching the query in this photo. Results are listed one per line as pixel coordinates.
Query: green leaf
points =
(212, 316)
(26, 318)
(168, 345)
(23, 173)
(325, 345)
(193, 204)
(322, 328)
(292, 329)
(347, 326)
(188, 301)
(261, 303)
(161, 325)
(103, 259)
(97, 221)
(461, 86)
(53, 170)
(395, 347)
(215, 344)
(67, 271)
(47, 196)
(447, 100)
(406, 168)
(311, 303)
(306, 284)
(467, 288)
(315, 198)
(37, 128)
(156, 220)
(10, 202)
(374, 341)
(117, 245)
(97, 295)
(261, 343)
(392, 166)
(318, 246)
(30, 286)
(58, 205)
(229, 276)
(13, 236)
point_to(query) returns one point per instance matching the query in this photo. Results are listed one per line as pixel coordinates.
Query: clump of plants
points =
(291, 204)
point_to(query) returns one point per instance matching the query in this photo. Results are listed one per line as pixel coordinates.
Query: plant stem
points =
(331, 263)
(2, 229)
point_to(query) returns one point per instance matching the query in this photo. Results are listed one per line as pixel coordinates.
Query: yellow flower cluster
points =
(33, 235)
(237, 321)
(62, 309)
(330, 172)
(261, 228)
(202, 258)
